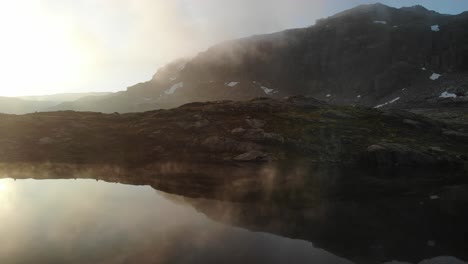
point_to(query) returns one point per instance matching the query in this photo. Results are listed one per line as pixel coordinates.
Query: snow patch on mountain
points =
(380, 22)
(435, 28)
(435, 76)
(232, 84)
(268, 90)
(387, 103)
(174, 88)
(447, 95)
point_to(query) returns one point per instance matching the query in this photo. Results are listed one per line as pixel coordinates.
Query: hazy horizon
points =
(54, 47)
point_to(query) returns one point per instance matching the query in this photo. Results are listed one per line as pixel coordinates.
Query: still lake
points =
(89, 221)
(93, 221)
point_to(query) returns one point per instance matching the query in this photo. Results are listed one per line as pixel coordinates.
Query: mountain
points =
(371, 55)
(11, 105)
(40, 103)
(62, 97)
(112, 102)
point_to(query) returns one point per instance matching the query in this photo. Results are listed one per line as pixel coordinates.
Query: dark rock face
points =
(369, 55)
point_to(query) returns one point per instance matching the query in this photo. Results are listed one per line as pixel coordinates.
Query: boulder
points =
(238, 130)
(255, 123)
(253, 155)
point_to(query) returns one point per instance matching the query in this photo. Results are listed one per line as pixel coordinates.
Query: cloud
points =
(111, 44)
(161, 30)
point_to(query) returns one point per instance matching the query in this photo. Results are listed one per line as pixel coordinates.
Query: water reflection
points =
(84, 221)
(361, 216)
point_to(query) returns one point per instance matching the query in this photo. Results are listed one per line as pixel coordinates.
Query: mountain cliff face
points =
(371, 55)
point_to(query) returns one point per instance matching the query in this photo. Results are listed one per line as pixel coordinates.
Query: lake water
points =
(90, 221)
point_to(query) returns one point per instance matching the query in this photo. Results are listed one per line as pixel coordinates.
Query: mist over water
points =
(88, 221)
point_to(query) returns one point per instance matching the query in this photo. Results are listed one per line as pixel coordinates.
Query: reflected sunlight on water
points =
(6, 195)
(89, 221)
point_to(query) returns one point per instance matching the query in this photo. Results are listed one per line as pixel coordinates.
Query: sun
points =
(5, 185)
(39, 53)
(6, 192)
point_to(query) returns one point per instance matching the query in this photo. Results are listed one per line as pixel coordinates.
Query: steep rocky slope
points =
(371, 55)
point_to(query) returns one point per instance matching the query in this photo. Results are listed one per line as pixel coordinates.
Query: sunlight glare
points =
(39, 52)
(6, 192)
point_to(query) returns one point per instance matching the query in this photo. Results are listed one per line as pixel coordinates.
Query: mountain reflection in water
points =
(84, 221)
(361, 218)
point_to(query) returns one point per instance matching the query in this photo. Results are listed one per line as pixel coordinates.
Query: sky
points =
(59, 46)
